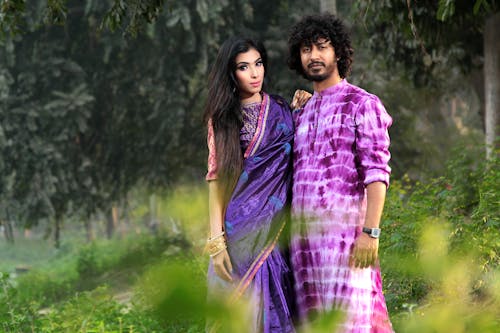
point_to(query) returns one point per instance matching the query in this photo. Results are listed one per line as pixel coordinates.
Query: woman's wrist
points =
(216, 244)
(215, 232)
(217, 235)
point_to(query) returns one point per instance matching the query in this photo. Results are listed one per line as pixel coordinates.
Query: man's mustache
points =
(316, 63)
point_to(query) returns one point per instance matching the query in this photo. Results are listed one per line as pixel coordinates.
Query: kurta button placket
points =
(315, 124)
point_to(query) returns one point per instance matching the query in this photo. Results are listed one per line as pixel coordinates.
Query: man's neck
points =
(319, 86)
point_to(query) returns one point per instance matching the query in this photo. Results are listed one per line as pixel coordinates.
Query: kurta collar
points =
(331, 90)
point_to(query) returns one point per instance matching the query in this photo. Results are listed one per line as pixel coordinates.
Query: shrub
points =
(464, 204)
(96, 311)
(15, 315)
(86, 264)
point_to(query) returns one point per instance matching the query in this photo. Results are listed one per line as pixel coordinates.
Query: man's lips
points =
(315, 64)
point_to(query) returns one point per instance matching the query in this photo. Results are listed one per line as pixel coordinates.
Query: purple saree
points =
(256, 215)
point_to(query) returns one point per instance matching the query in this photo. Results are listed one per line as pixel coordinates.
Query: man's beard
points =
(318, 77)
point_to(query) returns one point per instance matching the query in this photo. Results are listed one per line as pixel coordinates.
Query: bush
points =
(16, 315)
(86, 264)
(22, 299)
(96, 311)
(463, 205)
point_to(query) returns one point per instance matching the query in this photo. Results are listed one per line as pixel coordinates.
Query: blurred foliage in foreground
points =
(439, 256)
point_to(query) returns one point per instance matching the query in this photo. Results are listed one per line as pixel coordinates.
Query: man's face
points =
(318, 59)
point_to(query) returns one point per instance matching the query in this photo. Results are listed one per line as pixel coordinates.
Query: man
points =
(340, 178)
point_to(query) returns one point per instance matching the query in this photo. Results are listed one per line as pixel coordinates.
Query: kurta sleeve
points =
(212, 157)
(372, 141)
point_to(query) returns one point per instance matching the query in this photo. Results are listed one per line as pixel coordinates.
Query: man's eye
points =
(306, 49)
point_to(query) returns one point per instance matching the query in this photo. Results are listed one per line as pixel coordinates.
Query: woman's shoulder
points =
(279, 100)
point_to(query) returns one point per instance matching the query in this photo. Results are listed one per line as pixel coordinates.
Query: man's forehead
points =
(316, 40)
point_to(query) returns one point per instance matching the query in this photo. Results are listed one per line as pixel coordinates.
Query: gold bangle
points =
(215, 246)
(216, 236)
(216, 253)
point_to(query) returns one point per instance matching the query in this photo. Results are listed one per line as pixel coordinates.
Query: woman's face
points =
(250, 75)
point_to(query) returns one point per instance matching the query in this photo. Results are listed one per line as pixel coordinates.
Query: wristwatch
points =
(372, 232)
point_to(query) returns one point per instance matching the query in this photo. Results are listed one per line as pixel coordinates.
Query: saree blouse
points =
(250, 113)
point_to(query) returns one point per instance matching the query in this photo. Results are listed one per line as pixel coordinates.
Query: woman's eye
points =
(259, 63)
(242, 68)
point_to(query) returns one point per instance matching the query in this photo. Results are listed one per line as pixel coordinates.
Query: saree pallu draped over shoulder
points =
(255, 218)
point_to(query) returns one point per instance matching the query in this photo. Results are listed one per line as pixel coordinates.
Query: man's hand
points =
(222, 265)
(365, 251)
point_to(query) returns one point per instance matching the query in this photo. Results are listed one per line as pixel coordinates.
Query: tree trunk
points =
(57, 232)
(27, 233)
(328, 6)
(8, 231)
(116, 220)
(110, 227)
(89, 232)
(491, 82)
(112, 221)
(153, 215)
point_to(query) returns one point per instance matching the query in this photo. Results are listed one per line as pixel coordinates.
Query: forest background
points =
(103, 206)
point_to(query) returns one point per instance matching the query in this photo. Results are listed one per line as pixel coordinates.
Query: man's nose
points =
(314, 53)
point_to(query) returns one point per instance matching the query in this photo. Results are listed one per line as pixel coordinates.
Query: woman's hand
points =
(222, 265)
(300, 99)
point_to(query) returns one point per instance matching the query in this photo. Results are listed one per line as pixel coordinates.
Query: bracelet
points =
(216, 253)
(216, 245)
(216, 236)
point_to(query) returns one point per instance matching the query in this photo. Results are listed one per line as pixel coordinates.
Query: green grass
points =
(24, 252)
(75, 292)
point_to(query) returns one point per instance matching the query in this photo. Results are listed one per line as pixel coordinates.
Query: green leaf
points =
(446, 9)
(202, 9)
(186, 19)
(477, 6)
(175, 16)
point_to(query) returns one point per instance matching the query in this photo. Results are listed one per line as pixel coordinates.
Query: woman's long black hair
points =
(223, 108)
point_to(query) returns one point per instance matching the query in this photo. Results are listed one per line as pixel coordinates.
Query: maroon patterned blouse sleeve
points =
(212, 157)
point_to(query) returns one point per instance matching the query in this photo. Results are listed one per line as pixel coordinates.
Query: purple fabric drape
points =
(255, 218)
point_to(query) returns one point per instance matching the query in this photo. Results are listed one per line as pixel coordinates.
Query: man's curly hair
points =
(313, 27)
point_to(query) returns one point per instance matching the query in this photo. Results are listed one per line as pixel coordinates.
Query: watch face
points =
(373, 232)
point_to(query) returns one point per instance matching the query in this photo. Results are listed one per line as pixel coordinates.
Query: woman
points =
(249, 175)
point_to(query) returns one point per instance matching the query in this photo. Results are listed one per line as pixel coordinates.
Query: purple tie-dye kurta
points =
(341, 145)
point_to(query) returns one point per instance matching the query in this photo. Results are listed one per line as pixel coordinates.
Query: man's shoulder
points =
(365, 102)
(358, 95)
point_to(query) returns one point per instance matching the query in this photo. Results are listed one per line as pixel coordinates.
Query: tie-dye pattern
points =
(341, 145)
